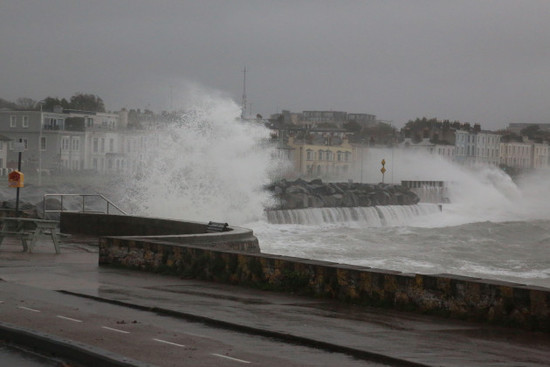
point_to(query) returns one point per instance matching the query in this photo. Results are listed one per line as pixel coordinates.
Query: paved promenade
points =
(34, 283)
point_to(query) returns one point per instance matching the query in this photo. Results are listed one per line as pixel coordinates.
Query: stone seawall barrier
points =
(153, 230)
(184, 249)
(474, 299)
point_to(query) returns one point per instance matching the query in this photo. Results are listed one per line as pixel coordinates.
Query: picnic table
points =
(29, 230)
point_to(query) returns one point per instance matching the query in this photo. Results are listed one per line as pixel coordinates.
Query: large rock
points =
(316, 194)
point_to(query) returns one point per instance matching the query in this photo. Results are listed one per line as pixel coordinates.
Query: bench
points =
(29, 229)
(213, 227)
(23, 236)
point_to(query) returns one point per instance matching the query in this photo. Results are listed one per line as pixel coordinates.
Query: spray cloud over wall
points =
(477, 193)
(207, 166)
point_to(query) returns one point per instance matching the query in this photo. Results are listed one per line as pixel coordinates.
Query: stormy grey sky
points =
(477, 60)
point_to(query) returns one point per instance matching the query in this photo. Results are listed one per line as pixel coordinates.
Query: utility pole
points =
(243, 106)
(20, 148)
(40, 146)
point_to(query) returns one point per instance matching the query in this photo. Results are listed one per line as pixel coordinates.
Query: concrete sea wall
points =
(157, 230)
(447, 295)
(213, 257)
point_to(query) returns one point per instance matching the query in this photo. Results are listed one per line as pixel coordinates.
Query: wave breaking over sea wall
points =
(373, 216)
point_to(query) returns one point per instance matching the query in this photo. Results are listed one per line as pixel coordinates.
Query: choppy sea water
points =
(495, 227)
(517, 251)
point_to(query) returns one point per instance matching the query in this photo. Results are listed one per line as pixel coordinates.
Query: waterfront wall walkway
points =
(206, 258)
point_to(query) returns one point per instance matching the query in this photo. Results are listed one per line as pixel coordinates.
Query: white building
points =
(541, 156)
(4, 140)
(487, 148)
(516, 154)
(40, 133)
(445, 151)
(524, 154)
(477, 147)
(72, 140)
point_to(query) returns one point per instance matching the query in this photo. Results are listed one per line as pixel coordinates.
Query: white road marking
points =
(231, 358)
(68, 318)
(117, 330)
(167, 342)
(28, 309)
(193, 334)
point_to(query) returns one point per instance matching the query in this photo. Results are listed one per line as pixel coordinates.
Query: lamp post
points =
(392, 163)
(362, 153)
(40, 145)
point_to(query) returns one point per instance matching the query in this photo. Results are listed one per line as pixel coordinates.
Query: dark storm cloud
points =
(483, 61)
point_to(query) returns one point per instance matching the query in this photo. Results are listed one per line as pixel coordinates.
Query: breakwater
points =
(475, 299)
(301, 194)
(374, 216)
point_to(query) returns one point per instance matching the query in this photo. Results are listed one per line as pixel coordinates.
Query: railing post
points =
(109, 204)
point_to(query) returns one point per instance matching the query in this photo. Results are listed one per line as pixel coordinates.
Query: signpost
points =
(16, 178)
(383, 169)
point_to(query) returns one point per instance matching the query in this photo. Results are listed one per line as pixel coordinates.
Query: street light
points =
(40, 144)
(362, 153)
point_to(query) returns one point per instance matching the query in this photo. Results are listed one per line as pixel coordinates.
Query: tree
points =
(25, 103)
(531, 131)
(49, 103)
(87, 102)
(352, 126)
(7, 104)
(420, 124)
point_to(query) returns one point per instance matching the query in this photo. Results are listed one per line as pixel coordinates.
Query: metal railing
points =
(109, 204)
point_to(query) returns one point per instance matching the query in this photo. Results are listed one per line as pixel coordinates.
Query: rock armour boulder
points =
(301, 194)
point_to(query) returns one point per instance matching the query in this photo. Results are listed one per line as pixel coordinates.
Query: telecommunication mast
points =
(243, 107)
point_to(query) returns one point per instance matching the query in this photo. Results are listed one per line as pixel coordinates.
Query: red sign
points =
(16, 179)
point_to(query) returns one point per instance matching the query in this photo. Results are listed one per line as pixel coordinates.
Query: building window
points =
(95, 147)
(65, 143)
(75, 144)
(309, 155)
(111, 145)
(102, 145)
(321, 155)
(43, 143)
(13, 121)
(25, 120)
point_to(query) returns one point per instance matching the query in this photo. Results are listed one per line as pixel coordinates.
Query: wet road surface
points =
(167, 321)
